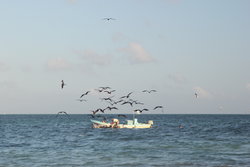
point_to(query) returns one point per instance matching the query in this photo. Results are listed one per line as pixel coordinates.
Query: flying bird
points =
(94, 112)
(62, 112)
(149, 91)
(81, 100)
(158, 107)
(111, 108)
(116, 102)
(107, 98)
(135, 101)
(127, 96)
(128, 102)
(62, 84)
(104, 87)
(99, 90)
(196, 95)
(97, 110)
(145, 109)
(109, 18)
(109, 92)
(84, 94)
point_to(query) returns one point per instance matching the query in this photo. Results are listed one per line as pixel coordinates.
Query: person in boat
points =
(115, 123)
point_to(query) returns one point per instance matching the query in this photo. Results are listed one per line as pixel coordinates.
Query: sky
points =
(177, 47)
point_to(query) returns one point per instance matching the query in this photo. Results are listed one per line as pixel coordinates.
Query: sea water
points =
(174, 141)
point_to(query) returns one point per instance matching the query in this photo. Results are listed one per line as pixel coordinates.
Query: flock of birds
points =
(112, 102)
(124, 100)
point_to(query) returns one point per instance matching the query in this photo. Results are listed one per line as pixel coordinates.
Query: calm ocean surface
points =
(50, 141)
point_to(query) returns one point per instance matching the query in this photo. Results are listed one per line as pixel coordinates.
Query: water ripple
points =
(204, 140)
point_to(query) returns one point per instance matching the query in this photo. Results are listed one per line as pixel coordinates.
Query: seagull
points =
(127, 102)
(116, 102)
(84, 94)
(111, 108)
(97, 110)
(94, 112)
(109, 18)
(99, 90)
(158, 107)
(127, 96)
(145, 109)
(139, 103)
(135, 101)
(104, 88)
(196, 95)
(62, 112)
(149, 91)
(107, 98)
(81, 100)
(63, 84)
(109, 92)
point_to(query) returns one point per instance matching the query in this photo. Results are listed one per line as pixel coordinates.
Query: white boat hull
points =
(131, 124)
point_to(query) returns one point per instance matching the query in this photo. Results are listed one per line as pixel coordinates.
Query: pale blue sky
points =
(177, 47)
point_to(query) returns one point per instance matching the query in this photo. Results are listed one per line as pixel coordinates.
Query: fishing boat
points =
(116, 124)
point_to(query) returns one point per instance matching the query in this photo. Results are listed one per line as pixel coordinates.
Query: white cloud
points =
(118, 37)
(177, 78)
(58, 64)
(248, 86)
(98, 59)
(202, 93)
(3, 67)
(137, 54)
(7, 84)
(27, 68)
